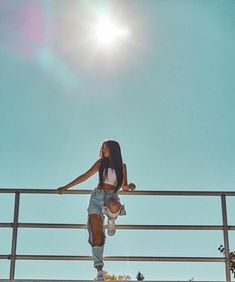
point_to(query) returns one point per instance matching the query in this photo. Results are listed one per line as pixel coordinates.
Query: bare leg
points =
(96, 222)
(112, 211)
(97, 239)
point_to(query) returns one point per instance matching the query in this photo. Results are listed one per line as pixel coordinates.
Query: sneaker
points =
(100, 275)
(111, 227)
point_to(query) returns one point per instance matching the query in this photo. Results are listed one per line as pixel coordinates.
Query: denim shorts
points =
(99, 199)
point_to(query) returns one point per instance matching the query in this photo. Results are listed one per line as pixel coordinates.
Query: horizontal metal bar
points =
(117, 258)
(52, 225)
(54, 280)
(43, 191)
(137, 192)
(120, 226)
(4, 256)
(6, 225)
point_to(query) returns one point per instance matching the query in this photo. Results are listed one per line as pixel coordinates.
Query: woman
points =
(104, 199)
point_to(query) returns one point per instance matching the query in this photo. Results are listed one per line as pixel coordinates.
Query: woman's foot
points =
(100, 275)
(111, 227)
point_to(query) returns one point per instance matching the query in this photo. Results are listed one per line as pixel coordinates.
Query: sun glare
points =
(108, 33)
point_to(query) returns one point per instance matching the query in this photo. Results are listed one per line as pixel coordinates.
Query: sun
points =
(108, 34)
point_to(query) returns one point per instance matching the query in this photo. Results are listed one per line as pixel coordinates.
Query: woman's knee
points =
(98, 238)
(114, 206)
(98, 241)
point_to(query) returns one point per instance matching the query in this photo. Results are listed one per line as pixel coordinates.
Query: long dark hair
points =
(114, 161)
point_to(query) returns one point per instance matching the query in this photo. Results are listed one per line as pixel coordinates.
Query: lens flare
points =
(108, 34)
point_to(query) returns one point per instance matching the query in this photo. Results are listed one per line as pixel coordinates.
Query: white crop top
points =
(111, 177)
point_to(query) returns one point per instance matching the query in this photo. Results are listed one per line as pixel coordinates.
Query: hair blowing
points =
(114, 161)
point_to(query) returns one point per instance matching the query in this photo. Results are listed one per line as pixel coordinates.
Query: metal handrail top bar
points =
(119, 226)
(138, 192)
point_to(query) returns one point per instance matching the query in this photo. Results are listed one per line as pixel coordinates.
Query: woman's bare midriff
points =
(105, 186)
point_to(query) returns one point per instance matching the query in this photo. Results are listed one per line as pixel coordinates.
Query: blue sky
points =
(166, 94)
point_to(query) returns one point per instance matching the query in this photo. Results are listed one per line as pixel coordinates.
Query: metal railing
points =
(16, 225)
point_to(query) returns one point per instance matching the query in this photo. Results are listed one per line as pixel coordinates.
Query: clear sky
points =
(166, 93)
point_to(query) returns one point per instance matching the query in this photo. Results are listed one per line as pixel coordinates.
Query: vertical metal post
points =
(226, 240)
(14, 235)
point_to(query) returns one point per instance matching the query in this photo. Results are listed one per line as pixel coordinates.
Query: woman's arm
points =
(82, 177)
(125, 185)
